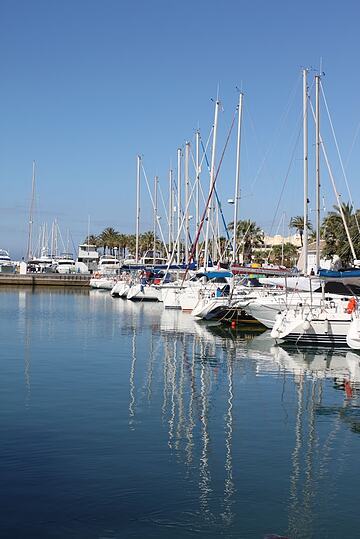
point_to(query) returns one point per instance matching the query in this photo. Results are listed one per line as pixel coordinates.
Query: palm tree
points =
(122, 243)
(298, 223)
(249, 235)
(286, 254)
(146, 241)
(346, 209)
(91, 240)
(334, 234)
(108, 238)
(131, 243)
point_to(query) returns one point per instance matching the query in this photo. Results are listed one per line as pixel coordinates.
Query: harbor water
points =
(123, 420)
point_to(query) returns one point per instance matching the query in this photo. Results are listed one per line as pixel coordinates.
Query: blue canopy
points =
(342, 274)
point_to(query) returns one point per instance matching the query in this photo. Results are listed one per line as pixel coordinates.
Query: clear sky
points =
(87, 85)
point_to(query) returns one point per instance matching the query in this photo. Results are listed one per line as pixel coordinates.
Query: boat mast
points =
(317, 160)
(282, 240)
(29, 253)
(187, 155)
(171, 208)
(179, 204)
(52, 241)
(88, 234)
(237, 177)
(306, 171)
(197, 192)
(137, 207)
(212, 182)
(155, 215)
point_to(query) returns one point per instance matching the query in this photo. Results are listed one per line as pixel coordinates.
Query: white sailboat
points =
(330, 323)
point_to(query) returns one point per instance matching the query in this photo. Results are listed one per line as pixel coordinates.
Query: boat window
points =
(336, 287)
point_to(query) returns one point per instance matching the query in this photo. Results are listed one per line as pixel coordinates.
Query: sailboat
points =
(328, 323)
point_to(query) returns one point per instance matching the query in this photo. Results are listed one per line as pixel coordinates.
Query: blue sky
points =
(87, 85)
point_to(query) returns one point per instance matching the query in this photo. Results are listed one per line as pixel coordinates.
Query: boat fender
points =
(348, 389)
(351, 306)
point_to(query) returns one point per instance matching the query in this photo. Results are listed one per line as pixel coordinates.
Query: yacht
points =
(89, 255)
(64, 264)
(108, 264)
(6, 264)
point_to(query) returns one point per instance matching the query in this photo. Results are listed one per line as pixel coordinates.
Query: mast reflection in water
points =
(125, 420)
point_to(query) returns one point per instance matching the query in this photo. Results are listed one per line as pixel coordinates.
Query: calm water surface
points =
(124, 420)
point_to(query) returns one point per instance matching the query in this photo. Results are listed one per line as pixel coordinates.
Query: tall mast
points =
(137, 207)
(212, 181)
(155, 216)
(55, 238)
(171, 209)
(282, 240)
(187, 155)
(88, 234)
(29, 252)
(179, 204)
(52, 241)
(237, 177)
(306, 170)
(317, 160)
(197, 192)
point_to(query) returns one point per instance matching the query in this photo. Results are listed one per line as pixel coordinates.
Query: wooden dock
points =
(44, 279)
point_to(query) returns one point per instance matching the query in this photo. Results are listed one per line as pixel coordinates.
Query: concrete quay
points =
(44, 279)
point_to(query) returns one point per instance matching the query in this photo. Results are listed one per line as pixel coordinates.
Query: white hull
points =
(170, 296)
(324, 327)
(189, 298)
(353, 335)
(143, 293)
(104, 283)
(266, 308)
(120, 289)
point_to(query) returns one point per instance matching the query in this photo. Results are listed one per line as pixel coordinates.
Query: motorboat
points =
(41, 264)
(88, 255)
(108, 263)
(6, 264)
(64, 264)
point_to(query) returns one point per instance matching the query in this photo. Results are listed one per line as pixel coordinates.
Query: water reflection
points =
(196, 360)
(230, 409)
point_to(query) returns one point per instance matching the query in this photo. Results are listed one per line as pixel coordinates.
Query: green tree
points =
(122, 243)
(91, 240)
(334, 234)
(131, 243)
(146, 242)
(286, 254)
(248, 236)
(298, 223)
(108, 239)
